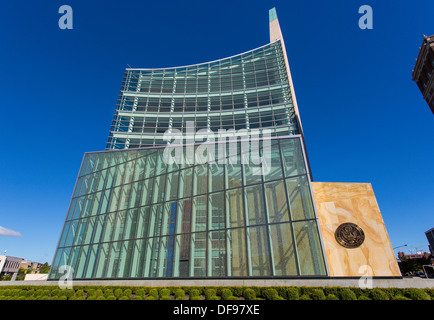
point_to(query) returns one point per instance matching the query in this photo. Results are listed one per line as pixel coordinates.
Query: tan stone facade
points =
(338, 203)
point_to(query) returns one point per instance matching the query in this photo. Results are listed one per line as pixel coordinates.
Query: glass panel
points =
(101, 260)
(113, 260)
(235, 208)
(130, 224)
(200, 179)
(64, 234)
(81, 226)
(255, 205)
(283, 250)
(118, 232)
(78, 270)
(276, 201)
(125, 195)
(73, 256)
(217, 254)
(217, 210)
(124, 259)
(260, 251)
(89, 229)
(216, 173)
(71, 233)
(161, 166)
(93, 210)
(143, 222)
(152, 246)
(114, 199)
(172, 185)
(159, 188)
(138, 258)
(91, 261)
(99, 228)
(274, 171)
(237, 254)
(199, 254)
(309, 248)
(169, 257)
(147, 191)
(233, 166)
(108, 227)
(300, 200)
(200, 213)
(185, 182)
(292, 157)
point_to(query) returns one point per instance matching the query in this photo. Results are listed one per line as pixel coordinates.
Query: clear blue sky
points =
(364, 118)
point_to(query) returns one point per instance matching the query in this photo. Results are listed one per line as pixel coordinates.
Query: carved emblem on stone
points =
(349, 235)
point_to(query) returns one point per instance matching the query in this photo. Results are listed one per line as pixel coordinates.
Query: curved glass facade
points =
(246, 91)
(133, 216)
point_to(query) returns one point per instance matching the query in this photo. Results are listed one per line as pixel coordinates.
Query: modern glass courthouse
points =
(145, 208)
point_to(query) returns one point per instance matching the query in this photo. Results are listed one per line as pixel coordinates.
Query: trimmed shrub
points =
(238, 291)
(400, 297)
(332, 290)
(304, 297)
(55, 292)
(363, 297)
(179, 294)
(271, 294)
(194, 293)
(137, 297)
(150, 298)
(165, 292)
(79, 293)
(153, 293)
(124, 298)
(378, 294)
(226, 293)
(118, 292)
(317, 294)
(347, 294)
(249, 294)
(68, 293)
(331, 296)
(112, 297)
(108, 292)
(140, 292)
(430, 292)
(128, 293)
(211, 292)
(292, 293)
(7, 292)
(98, 293)
(417, 294)
(165, 298)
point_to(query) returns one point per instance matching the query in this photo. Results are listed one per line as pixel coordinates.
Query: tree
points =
(45, 268)
(408, 266)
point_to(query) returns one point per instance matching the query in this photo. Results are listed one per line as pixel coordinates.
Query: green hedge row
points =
(211, 293)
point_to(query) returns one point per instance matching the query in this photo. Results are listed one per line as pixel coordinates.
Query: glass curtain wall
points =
(134, 216)
(246, 91)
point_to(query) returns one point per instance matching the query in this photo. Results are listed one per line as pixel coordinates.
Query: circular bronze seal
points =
(349, 235)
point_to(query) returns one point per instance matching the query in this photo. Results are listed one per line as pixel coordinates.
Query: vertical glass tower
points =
(136, 215)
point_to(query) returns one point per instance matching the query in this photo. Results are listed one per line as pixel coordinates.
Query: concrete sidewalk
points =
(376, 283)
